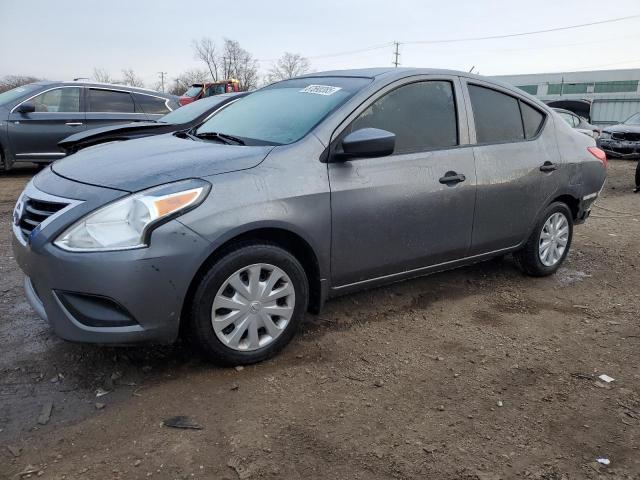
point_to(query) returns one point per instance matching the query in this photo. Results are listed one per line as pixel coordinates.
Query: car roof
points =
(389, 74)
(86, 83)
(383, 71)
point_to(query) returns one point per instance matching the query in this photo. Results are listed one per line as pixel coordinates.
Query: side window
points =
(496, 115)
(421, 114)
(532, 120)
(150, 105)
(110, 101)
(58, 100)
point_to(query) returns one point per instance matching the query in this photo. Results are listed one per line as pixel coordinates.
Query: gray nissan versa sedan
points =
(306, 189)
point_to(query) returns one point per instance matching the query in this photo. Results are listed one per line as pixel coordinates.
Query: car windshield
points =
(633, 119)
(284, 112)
(193, 91)
(193, 110)
(16, 93)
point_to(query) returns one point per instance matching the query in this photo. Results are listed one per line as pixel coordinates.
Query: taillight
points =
(599, 154)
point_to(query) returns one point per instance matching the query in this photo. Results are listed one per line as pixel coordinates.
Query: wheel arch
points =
(570, 201)
(285, 238)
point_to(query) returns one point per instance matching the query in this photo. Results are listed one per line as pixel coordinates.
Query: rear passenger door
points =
(394, 214)
(110, 106)
(516, 165)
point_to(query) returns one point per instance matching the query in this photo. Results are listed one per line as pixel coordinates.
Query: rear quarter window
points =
(496, 115)
(150, 105)
(110, 101)
(532, 119)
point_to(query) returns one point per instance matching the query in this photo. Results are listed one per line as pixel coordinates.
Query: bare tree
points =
(101, 75)
(288, 65)
(183, 81)
(205, 50)
(233, 62)
(12, 81)
(238, 63)
(129, 77)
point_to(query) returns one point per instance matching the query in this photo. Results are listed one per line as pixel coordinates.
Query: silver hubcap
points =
(553, 239)
(253, 307)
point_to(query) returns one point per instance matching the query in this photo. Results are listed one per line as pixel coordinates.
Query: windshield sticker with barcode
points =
(320, 89)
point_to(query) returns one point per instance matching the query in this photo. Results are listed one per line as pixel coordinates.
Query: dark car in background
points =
(622, 140)
(182, 119)
(35, 117)
(579, 123)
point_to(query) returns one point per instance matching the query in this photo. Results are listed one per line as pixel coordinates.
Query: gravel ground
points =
(478, 373)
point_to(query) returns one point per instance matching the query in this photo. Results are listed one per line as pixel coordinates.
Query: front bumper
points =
(620, 148)
(149, 284)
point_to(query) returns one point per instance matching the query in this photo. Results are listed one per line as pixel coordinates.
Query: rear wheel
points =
(249, 304)
(548, 245)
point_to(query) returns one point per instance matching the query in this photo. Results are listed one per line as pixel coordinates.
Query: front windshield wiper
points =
(184, 134)
(223, 137)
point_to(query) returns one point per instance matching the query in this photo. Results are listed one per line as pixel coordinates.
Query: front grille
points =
(34, 212)
(628, 136)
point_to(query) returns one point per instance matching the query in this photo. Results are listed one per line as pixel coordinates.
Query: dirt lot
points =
(479, 373)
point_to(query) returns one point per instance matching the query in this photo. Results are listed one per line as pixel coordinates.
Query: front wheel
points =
(548, 245)
(249, 304)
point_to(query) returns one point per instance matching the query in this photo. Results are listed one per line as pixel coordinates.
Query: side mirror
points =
(26, 107)
(367, 142)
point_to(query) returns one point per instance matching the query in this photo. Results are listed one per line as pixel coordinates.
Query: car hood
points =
(120, 128)
(623, 127)
(138, 164)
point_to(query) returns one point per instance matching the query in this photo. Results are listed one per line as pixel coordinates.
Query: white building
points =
(614, 94)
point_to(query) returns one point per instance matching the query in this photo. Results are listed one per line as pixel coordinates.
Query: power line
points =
(396, 44)
(521, 34)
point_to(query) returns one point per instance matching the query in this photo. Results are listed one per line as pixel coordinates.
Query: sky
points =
(63, 39)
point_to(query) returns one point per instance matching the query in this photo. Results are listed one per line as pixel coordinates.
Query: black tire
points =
(200, 322)
(528, 258)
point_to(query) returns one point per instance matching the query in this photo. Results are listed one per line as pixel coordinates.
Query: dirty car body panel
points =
(362, 221)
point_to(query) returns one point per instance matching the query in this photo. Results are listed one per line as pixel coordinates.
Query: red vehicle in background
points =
(208, 89)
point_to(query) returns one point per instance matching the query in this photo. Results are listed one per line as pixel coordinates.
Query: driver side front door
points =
(397, 214)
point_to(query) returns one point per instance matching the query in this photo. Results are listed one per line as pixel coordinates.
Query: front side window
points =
(58, 100)
(496, 115)
(110, 101)
(284, 112)
(150, 105)
(422, 115)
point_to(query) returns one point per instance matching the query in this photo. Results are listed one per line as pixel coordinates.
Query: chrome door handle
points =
(74, 124)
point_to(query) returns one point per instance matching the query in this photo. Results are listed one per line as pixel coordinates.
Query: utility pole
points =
(162, 74)
(396, 54)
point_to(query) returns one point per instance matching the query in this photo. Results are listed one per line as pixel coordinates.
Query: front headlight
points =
(127, 223)
(605, 136)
